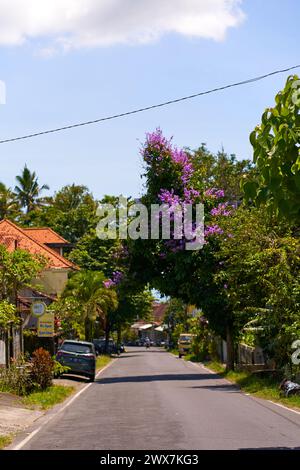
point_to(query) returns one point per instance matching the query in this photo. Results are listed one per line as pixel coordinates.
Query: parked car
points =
(99, 345)
(112, 348)
(79, 356)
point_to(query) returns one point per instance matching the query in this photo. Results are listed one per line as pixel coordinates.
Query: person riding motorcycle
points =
(147, 343)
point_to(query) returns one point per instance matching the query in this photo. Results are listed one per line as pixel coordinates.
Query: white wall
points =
(2, 352)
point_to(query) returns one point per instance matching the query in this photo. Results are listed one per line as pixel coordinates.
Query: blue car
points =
(79, 356)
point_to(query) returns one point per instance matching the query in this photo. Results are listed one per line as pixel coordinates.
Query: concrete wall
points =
(249, 355)
(52, 281)
(2, 351)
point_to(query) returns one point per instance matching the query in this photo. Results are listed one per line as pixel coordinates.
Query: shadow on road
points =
(131, 355)
(268, 448)
(223, 388)
(144, 350)
(75, 378)
(158, 378)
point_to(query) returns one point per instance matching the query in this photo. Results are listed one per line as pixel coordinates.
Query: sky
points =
(68, 61)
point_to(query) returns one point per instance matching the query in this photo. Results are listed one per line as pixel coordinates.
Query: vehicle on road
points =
(79, 356)
(184, 344)
(112, 347)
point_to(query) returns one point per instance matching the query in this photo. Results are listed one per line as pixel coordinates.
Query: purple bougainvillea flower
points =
(108, 283)
(211, 230)
(190, 195)
(168, 197)
(117, 277)
(221, 209)
(215, 193)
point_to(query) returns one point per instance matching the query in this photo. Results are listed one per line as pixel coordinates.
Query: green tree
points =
(132, 305)
(93, 299)
(174, 175)
(9, 206)
(277, 155)
(222, 171)
(8, 315)
(259, 274)
(176, 318)
(91, 253)
(17, 269)
(71, 212)
(28, 190)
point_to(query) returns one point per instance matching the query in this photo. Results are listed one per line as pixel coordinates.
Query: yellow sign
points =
(46, 325)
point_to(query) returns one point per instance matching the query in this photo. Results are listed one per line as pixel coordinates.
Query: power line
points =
(160, 105)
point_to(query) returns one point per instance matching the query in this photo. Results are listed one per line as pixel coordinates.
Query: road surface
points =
(149, 399)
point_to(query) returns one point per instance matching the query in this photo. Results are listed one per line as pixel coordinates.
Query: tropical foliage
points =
(28, 190)
(277, 156)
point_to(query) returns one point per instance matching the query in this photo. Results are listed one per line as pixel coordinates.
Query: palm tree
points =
(9, 206)
(95, 300)
(28, 192)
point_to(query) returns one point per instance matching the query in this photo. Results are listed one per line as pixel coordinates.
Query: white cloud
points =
(88, 23)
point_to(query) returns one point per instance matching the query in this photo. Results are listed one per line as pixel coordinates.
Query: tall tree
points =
(259, 274)
(9, 206)
(178, 176)
(28, 190)
(93, 299)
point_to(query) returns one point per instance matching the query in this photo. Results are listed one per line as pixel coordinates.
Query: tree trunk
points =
(87, 327)
(107, 333)
(119, 339)
(230, 348)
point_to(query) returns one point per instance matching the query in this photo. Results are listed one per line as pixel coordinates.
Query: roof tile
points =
(14, 237)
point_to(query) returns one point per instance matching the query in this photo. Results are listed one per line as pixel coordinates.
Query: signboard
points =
(46, 325)
(38, 308)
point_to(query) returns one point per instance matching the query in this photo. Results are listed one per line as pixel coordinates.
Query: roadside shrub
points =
(17, 378)
(200, 349)
(58, 368)
(42, 366)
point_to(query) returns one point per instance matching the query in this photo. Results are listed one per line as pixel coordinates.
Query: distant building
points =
(155, 330)
(159, 311)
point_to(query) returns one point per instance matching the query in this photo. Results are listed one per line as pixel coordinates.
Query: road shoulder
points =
(21, 429)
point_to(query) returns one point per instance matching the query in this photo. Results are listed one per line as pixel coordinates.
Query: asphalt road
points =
(149, 399)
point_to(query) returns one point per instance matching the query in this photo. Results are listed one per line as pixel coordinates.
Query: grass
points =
(53, 395)
(260, 387)
(47, 398)
(173, 351)
(102, 361)
(5, 441)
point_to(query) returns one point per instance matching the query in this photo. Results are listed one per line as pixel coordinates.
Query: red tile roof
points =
(45, 235)
(14, 237)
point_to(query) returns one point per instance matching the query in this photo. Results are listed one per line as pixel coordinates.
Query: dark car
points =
(79, 356)
(99, 345)
(112, 347)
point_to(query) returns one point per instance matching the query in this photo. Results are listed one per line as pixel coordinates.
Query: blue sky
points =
(56, 89)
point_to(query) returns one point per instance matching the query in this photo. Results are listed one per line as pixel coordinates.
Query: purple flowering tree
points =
(173, 177)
